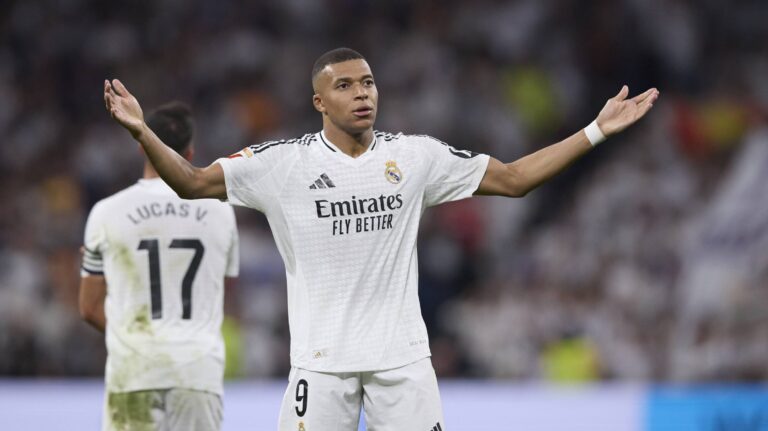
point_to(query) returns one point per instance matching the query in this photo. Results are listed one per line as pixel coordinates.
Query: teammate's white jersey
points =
(164, 260)
(346, 229)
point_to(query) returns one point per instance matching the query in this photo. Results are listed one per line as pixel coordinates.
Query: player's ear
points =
(189, 153)
(317, 102)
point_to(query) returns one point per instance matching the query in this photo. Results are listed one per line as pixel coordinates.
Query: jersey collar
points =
(333, 148)
(155, 185)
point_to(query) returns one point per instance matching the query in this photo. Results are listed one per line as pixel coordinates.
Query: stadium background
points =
(643, 269)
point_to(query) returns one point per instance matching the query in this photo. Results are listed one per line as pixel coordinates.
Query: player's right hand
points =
(123, 107)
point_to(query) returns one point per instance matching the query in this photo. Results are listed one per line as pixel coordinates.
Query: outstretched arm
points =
(523, 175)
(188, 181)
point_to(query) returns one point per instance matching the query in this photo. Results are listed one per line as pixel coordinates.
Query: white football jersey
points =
(346, 229)
(164, 260)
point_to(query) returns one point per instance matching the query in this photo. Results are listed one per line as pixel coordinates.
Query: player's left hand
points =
(620, 112)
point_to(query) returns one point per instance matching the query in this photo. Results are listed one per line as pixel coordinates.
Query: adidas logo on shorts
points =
(437, 427)
(322, 183)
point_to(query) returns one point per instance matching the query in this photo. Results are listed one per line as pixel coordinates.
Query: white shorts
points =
(401, 399)
(162, 409)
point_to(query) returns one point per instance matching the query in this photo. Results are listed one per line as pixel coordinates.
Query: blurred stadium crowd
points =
(646, 261)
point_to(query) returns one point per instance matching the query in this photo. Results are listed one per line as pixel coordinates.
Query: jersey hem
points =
(165, 387)
(385, 367)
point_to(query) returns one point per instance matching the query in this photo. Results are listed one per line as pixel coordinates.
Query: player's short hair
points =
(172, 123)
(334, 56)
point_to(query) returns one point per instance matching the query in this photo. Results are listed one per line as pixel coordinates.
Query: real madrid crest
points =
(392, 173)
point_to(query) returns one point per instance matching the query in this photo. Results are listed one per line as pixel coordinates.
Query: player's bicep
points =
(452, 174)
(210, 183)
(499, 180)
(93, 290)
(254, 178)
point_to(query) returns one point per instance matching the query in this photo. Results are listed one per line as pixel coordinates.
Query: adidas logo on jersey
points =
(437, 427)
(322, 183)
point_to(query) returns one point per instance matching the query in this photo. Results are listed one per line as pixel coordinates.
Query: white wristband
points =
(594, 134)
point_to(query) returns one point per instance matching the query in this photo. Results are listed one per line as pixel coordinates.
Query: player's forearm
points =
(96, 319)
(176, 171)
(92, 311)
(93, 291)
(535, 169)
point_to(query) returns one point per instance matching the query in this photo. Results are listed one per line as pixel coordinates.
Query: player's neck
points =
(352, 145)
(149, 172)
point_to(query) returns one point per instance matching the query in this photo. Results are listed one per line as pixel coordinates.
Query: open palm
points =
(123, 107)
(620, 112)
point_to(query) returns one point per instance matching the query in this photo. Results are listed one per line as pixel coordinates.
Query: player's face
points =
(346, 93)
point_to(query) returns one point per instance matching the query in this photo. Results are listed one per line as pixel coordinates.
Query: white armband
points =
(594, 134)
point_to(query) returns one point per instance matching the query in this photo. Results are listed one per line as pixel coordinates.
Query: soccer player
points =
(153, 277)
(344, 206)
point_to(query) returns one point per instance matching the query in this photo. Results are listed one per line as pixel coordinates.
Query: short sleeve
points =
(233, 256)
(93, 244)
(253, 176)
(453, 174)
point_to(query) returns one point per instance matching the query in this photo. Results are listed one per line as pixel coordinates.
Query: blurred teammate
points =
(344, 206)
(153, 278)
